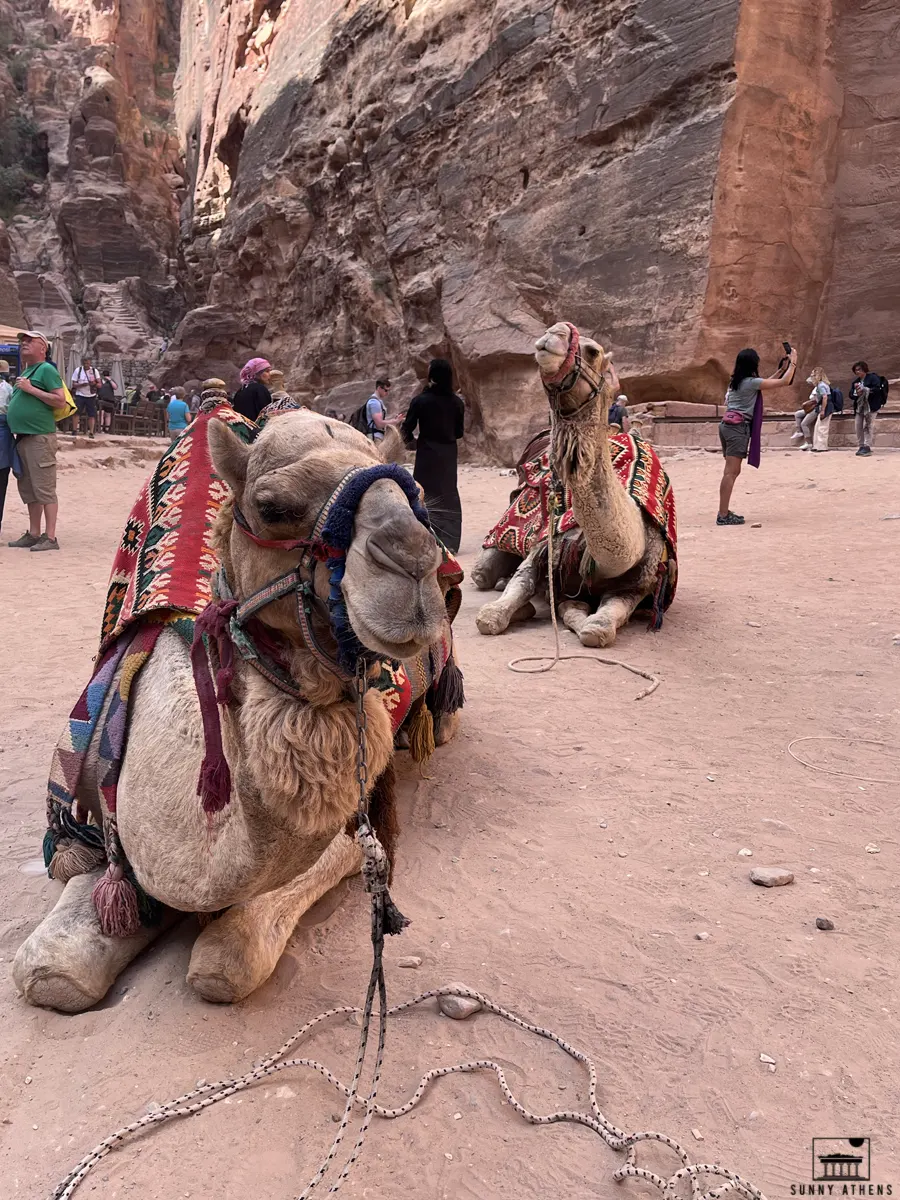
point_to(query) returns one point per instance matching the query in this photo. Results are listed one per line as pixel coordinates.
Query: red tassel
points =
(116, 903)
(214, 784)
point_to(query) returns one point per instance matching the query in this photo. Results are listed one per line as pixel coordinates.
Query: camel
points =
(254, 866)
(615, 555)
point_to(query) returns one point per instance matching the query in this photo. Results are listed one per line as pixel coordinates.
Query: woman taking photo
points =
(736, 426)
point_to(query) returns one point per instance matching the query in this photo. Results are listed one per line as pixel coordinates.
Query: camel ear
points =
(229, 454)
(391, 446)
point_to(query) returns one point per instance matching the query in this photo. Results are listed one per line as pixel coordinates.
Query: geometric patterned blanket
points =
(525, 524)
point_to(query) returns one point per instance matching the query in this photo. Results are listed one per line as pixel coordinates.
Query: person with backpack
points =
(869, 393)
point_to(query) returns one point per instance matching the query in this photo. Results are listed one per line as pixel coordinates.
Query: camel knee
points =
(68, 963)
(234, 955)
(493, 619)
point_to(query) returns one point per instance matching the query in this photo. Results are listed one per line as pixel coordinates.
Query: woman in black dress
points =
(253, 395)
(439, 414)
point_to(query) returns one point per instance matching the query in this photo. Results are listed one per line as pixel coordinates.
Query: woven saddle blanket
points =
(526, 522)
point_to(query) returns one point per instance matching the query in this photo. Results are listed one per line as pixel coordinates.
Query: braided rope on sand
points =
(617, 1139)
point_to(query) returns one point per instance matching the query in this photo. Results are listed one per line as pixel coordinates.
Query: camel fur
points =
(622, 547)
(281, 842)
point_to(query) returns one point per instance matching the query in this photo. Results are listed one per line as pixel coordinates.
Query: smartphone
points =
(787, 347)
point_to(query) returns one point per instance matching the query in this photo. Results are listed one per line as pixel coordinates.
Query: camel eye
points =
(275, 512)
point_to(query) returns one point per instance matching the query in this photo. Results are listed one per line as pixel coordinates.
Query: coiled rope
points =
(617, 1139)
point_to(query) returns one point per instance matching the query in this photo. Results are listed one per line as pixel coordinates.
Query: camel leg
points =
(615, 611)
(573, 614)
(67, 963)
(236, 953)
(492, 565)
(499, 614)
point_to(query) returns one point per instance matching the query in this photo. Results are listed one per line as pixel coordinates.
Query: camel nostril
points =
(393, 548)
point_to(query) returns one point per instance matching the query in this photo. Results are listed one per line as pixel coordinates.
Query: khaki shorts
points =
(37, 483)
(735, 439)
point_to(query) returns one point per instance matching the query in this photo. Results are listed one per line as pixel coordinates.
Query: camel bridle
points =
(573, 369)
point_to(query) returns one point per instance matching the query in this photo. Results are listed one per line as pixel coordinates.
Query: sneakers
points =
(796, 435)
(26, 541)
(29, 542)
(864, 450)
(806, 446)
(730, 519)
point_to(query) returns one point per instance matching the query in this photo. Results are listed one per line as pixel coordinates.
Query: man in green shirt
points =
(38, 391)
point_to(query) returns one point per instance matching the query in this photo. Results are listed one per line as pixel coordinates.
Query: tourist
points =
(194, 402)
(178, 415)
(823, 408)
(376, 412)
(106, 397)
(618, 413)
(868, 395)
(37, 392)
(253, 395)
(440, 416)
(737, 426)
(85, 385)
(804, 421)
(9, 459)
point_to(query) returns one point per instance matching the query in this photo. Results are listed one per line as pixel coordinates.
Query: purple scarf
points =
(753, 454)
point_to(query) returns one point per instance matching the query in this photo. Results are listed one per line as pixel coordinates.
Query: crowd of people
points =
(431, 423)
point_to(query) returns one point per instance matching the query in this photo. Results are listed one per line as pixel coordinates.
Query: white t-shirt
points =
(5, 393)
(81, 378)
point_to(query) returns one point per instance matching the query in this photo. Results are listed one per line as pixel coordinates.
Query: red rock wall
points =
(368, 183)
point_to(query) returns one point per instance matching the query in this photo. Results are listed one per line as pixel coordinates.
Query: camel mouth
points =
(396, 642)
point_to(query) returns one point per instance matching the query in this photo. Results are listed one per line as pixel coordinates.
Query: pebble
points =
(622, 853)
(756, 525)
(767, 1058)
(458, 1007)
(745, 853)
(28, 1079)
(457, 1116)
(411, 961)
(824, 923)
(754, 624)
(873, 849)
(771, 876)
(697, 1134)
(703, 873)
(604, 825)
(701, 937)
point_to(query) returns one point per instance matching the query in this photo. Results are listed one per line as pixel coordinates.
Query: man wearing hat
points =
(37, 392)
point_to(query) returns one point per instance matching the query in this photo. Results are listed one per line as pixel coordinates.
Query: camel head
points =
(281, 482)
(571, 369)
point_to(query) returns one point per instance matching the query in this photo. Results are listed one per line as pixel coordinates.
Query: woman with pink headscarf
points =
(253, 395)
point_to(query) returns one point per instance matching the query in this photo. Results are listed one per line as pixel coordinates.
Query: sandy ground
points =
(562, 856)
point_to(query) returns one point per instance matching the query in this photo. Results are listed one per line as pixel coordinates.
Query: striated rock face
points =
(362, 185)
(95, 242)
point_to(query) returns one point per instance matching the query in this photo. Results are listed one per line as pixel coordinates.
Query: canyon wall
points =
(353, 186)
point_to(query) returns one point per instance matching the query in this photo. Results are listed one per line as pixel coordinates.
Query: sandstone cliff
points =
(365, 184)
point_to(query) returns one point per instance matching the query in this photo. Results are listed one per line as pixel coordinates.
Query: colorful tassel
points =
(116, 902)
(214, 784)
(450, 693)
(421, 733)
(74, 858)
